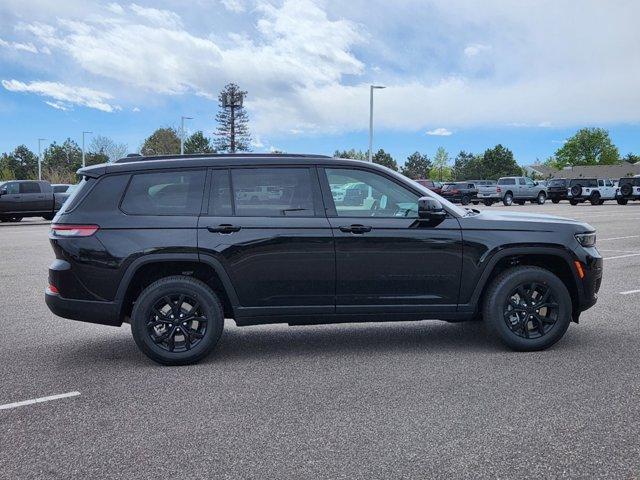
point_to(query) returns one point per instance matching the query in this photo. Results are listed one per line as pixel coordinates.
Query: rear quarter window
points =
(164, 193)
(507, 181)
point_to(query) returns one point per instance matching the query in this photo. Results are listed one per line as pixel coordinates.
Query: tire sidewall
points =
(198, 291)
(541, 198)
(508, 200)
(498, 295)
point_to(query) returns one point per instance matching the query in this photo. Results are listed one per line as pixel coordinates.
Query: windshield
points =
(557, 183)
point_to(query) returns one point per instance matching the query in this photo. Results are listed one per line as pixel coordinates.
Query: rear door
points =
(387, 261)
(31, 197)
(277, 248)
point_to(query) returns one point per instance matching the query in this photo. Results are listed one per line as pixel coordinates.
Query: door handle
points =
(355, 229)
(225, 228)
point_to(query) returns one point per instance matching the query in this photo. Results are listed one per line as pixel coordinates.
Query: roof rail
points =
(135, 157)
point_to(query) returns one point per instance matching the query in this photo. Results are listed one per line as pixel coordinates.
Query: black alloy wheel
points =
(177, 323)
(531, 310)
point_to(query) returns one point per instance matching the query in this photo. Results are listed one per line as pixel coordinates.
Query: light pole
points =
(371, 88)
(182, 119)
(83, 162)
(40, 140)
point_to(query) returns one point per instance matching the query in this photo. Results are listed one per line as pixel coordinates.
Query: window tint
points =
(12, 188)
(273, 192)
(220, 195)
(60, 188)
(557, 183)
(630, 181)
(608, 183)
(507, 181)
(358, 193)
(29, 187)
(165, 193)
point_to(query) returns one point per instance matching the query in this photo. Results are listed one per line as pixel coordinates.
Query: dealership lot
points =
(391, 400)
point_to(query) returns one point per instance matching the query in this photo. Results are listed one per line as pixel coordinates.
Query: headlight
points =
(586, 239)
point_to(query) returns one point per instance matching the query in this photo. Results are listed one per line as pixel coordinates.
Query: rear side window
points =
(507, 181)
(272, 192)
(220, 195)
(630, 181)
(585, 182)
(60, 189)
(557, 183)
(164, 193)
(30, 187)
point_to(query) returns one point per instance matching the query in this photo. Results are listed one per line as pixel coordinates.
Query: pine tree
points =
(417, 166)
(198, 143)
(383, 158)
(233, 123)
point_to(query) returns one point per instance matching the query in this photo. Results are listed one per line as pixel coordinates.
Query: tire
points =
(595, 198)
(465, 200)
(555, 200)
(475, 203)
(622, 201)
(203, 336)
(488, 203)
(507, 200)
(48, 217)
(626, 189)
(576, 190)
(521, 202)
(542, 197)
(573, 202)
(512, 327)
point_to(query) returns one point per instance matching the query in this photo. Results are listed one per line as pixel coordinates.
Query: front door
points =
(387, 261)
(10, 202)
(267, 229)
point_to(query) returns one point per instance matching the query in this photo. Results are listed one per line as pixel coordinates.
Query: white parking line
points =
(622, 256)
(618, 238)
(7, 406)
(629, 292)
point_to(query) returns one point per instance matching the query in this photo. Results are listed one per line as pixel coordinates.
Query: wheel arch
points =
(149, 268)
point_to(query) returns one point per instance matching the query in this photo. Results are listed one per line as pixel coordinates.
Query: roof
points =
(134, 157)
(592, 171)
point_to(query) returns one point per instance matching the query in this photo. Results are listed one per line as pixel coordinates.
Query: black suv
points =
(460, 192)
(557, 189)
(174, 245)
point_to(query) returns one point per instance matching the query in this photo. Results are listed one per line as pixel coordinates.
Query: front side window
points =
(12, 188)
(273, 192)
(29, 187)
(164, 193)
(359, 193)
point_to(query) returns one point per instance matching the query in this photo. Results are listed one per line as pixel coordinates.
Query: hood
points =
(497, 220)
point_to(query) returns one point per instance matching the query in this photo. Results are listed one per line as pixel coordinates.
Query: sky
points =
(461, 74)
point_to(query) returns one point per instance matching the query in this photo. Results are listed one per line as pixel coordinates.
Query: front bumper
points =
(103, 313)
(593, 270)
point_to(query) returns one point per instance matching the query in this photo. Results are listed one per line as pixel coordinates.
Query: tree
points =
(233, 123)
(105, 147)
(198, 143)
(65, 157)
(589, 146)
(498, 162)
(466, 166)
(21, 164)
(440, 167)
(631, 158)
(383, 158)
(353, 153)
(417, 166)
(164, 141)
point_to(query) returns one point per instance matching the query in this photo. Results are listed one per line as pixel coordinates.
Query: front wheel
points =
(527, 308)
(177, 320)
(541, 198)
(621, 201)
(573, 202)
(555, 200)
(595, 199)
(465, 200)
(48, 217)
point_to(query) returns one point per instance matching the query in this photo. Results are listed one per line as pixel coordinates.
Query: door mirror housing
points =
(431, 210)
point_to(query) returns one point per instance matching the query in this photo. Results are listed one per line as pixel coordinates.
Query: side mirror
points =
(430, 209)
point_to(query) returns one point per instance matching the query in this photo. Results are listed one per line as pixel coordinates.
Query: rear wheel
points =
(622, 201)
(177, 320)
(573, 202)
(465, 200)
(488, 203)
(508, 199)
(527, 308)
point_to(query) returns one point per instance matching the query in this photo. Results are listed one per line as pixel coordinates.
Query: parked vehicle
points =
(460, 192)
(60, 187)
(595, 190)
(557, 189)
(28, 198)
(431, 185)
(162, 243)
(487, 191)
(519, 190)
(628, 189)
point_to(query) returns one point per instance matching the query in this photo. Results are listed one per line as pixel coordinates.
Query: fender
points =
(172, 257)
(499, 254)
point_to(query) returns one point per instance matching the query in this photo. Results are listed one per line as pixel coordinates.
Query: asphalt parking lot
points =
(395, 400)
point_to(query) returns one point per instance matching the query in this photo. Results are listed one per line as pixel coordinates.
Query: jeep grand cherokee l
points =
(173, 246)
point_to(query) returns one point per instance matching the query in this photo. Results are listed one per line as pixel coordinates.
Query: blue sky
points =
(460, 74)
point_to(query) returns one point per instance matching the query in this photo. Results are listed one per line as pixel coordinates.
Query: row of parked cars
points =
(510, 190)
(31, 198)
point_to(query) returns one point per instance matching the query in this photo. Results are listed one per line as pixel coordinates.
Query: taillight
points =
(498, 190)
(73, 230)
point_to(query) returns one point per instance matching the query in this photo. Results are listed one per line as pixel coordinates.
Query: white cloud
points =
(475, 49)
(58, 105)
(115, 8)
(236, 6)
(160, 18)
(439, 132)
(135, 109)
(64, 94)
(26, 47)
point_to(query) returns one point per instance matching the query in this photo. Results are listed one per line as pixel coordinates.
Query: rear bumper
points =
(103, 313)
